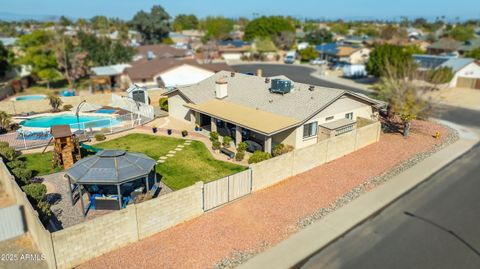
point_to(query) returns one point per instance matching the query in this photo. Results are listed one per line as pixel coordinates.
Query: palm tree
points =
(5, 120)
(55, 102)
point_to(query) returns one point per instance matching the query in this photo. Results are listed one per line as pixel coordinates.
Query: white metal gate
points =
(226, 189)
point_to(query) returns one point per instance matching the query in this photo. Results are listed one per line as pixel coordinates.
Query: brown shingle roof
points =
(59, 131)
(141, 70)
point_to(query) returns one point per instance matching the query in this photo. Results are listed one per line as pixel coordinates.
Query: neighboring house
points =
(233, 49)
(466, 71)
(109, 77)
(355, 40)
(170, 72)
(150, 52)
(414, 33)
(245, 107)
(343, 53)
(448, 45)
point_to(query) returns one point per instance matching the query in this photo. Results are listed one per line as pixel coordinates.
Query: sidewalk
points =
(300, 245)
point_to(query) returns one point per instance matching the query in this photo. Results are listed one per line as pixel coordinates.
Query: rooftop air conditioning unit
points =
(281, 86)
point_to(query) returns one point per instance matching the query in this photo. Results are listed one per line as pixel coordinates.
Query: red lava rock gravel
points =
(269, 215)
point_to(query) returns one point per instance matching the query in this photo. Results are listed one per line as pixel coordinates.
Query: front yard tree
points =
(396, 57)
(462, 33)
(185, 22)
(319, 36)
(154, 26)
(473, 54)
(407, 98)
(71, 60)
(308, 54)
(285, 40)
(216, 28)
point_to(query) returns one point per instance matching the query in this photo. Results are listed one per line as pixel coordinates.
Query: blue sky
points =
(350, 9)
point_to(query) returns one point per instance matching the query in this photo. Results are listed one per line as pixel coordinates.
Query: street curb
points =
(302, 245)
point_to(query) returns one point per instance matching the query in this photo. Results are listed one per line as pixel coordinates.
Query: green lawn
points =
(55, 86)
(193, 164)
(40, 163)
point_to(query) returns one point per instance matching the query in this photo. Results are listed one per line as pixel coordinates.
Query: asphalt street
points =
(434, 226)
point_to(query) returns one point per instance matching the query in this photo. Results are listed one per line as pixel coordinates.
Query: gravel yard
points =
(240, 229)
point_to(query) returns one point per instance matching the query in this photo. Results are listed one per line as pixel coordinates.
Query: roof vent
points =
(270, 101)
(281, 86)
(232, 74)
(267, 80)
(311, 88)
(150, 55)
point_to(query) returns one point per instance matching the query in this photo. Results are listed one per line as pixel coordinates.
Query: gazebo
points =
(110, 168)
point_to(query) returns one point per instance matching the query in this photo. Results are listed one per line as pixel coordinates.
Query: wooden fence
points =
(224, 190)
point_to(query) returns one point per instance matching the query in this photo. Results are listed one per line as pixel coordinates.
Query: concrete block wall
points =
(169, 210)
(37, 231)
(272, 171)
(82, 242)
(17, 107)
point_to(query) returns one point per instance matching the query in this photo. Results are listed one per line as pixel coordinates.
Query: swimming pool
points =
(85, 121)
(30, 97)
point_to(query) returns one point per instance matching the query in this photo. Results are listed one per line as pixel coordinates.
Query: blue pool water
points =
(105, 111)
(30, 97)
(85, 121)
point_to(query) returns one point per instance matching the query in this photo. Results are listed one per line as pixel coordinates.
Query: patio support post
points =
(238, 135)
(155, 173)
(146, 183)
(213, 124)
(81, 199)
(70, 188)
(119, 196)
(268, 144)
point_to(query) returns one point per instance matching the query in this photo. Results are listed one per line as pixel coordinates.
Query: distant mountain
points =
(7, 16)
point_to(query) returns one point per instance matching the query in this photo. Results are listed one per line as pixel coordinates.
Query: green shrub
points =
(281, 149)
(35, 191)
(259, 156)
(184, 133)
(22, 174)
(7, 153)
(4, 144)
(100, 137)
(240, 155)
(163, 102)
(67, 107)
(242, 146)
(44, 209)
(216, 145)
(226, 141)
(213, 136)
(16, 164)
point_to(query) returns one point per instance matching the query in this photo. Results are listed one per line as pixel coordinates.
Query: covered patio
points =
(112, 179)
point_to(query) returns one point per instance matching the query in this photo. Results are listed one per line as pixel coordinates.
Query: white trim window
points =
(310, 130)
(349, 116)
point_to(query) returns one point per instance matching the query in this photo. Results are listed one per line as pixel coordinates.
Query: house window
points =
(310, 129)
(329, 118)
(349, 116)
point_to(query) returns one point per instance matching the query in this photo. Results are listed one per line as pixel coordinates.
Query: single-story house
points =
(233, 49)
(159, 51)
(343, 53)
(170, 72)
(466, 71)
(448, 45)
(110, 77)
(269, 110)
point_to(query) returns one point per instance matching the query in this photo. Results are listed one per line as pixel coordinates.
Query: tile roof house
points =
(147, 52)
(249, 108)
(343, 53)
(170, 72)
(233, 49)
(466, 72)
(448, 45)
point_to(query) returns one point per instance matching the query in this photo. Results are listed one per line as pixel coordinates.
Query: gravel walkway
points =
(235, 232)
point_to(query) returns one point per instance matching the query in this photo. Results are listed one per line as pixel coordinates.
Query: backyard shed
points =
(110, 168)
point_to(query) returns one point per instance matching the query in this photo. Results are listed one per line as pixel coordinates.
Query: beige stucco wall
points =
(472, 70)
(176, 107)
(168, 210)
(287, 137)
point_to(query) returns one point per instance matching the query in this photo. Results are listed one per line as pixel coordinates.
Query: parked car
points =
(318, 61)
(290, 57)
(253, 146)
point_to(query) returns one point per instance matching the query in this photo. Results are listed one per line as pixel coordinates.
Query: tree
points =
(103, 51)
(64, 21)
(473, 54)
(406, 98)
(390, 31)
(308, 54)
(285, 40)
(100, 23)
(5, 121)
(392, 55)
(319, 36)
(185, 22)
(38, 51)
(462, 33)
(339, 28)
(55, 102)
(216, 28)
(71, 60)
(439, 75)
(259, 156)
(270, 27)
(154, 26)
(6, 58)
